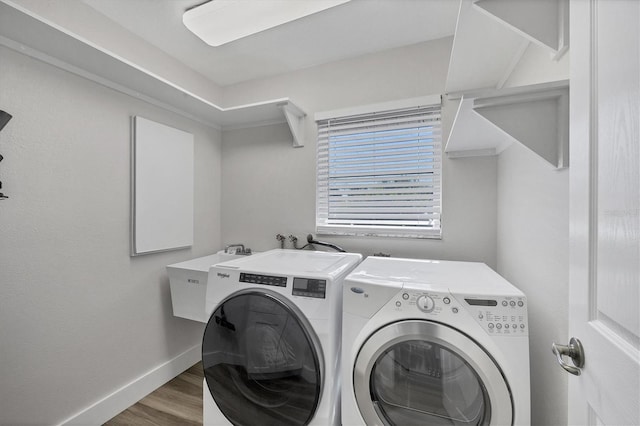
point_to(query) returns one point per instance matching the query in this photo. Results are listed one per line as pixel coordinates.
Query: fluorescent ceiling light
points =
(221, 21)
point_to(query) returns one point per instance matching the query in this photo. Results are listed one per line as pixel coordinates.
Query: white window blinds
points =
(379, 173)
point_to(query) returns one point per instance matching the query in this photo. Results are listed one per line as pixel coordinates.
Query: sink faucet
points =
(243, 250)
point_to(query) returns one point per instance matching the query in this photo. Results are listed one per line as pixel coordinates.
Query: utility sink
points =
(188, 282)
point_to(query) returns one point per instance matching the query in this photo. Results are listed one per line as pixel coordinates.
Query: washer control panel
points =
(263, 279)
(504, 316)
(497, 315)
(309, 287)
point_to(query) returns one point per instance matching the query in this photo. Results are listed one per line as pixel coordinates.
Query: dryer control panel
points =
(503, 316)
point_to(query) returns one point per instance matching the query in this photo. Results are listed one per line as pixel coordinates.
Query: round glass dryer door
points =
(262, 361)
(423, 373)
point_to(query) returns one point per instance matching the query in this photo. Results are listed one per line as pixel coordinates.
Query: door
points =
(604, 211)
(262, 360)
(417, 372)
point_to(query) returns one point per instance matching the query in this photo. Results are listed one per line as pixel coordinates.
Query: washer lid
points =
(434, 275)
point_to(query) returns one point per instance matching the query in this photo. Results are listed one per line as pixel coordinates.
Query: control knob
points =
(425, 303)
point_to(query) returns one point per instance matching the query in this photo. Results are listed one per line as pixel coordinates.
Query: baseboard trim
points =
(106, 408)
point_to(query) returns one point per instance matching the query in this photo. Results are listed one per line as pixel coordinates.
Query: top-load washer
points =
(271, 348)
(433, 343)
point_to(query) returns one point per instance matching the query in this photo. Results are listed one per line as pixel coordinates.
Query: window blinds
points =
(379, 173)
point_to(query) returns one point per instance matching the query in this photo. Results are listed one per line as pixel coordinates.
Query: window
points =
(379, 171)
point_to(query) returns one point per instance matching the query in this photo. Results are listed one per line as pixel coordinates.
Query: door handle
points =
(573, 350)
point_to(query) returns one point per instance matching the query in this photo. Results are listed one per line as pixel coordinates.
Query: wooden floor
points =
(179, 402)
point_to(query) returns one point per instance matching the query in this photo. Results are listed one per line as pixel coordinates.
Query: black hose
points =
(310, 240)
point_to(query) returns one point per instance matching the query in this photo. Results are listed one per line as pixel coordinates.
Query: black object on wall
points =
(4, 119)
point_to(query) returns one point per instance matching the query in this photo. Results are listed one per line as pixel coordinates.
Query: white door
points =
(605, 211)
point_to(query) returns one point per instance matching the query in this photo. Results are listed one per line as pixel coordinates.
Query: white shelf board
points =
(31, 35)
(492, 36)
(488, 121)
(472, 135)
(484, 51)
(544, 22)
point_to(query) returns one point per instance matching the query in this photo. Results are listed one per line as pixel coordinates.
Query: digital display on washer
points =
(309, 287)
(263, 279)
(481, 302)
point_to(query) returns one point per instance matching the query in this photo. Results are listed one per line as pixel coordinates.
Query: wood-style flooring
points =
(178, 402)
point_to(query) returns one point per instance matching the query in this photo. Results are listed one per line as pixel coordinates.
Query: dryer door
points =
(418, 372)
(262, 361)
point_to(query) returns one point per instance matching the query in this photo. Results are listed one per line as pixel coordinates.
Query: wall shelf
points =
(537, 116)
(31, 35)
(492, 36)
(484, 51)
(544, 22)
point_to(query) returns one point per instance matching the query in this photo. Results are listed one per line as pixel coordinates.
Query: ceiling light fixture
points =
(222, 21)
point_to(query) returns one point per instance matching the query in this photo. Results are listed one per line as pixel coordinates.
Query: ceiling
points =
(353, 29)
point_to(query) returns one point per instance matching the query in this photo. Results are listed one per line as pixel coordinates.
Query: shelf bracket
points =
(537, 116)
(538, 120)
(295, 119)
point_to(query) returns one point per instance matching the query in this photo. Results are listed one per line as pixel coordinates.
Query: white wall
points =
(533, 244)
(533, 254)
(269, 187)
(79, 318)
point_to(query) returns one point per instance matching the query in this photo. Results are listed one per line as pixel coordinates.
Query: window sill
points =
(386, 232)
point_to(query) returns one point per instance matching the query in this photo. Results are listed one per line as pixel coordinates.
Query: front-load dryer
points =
(433, 343)
(271, 348)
